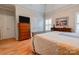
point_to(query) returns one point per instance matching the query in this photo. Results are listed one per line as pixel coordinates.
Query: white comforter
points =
(56, 43)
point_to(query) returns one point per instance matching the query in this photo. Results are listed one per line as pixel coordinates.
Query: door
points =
(7, 28)
(10, 27)
(1, 26)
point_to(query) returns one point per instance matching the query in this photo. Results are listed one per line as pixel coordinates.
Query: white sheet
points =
(47, 43)
(74, 35)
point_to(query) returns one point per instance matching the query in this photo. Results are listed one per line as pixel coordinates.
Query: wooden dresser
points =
(24, 31)
(61, 29)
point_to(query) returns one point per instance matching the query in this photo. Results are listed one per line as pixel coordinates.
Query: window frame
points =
(77, 23)
(49, 24)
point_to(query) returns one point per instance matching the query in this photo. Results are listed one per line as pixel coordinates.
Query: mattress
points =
(56, 43)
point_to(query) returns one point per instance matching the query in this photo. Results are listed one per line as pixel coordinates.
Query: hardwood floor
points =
(13, 47)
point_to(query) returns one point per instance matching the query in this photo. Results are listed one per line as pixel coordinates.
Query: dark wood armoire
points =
(24, 28)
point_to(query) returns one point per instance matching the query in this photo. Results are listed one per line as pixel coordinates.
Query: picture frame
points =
(62, 22)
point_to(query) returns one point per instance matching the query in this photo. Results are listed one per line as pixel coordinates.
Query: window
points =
(48, 24)
(77, 24)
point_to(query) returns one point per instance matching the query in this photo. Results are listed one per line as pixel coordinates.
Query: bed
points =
(56, 43)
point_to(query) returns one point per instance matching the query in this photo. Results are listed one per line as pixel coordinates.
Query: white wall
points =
(36, 18)
(69, 11)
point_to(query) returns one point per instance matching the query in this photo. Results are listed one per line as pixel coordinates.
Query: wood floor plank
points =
(13, 47)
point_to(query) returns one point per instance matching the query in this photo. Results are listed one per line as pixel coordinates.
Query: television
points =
(23, 19)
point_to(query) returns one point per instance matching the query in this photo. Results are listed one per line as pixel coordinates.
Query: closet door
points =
(4, 27)
(1, 26)
(10, 28)
(7, 28)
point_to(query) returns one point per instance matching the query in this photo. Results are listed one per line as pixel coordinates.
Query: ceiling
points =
(35, 7)
(7, 7)
(42, 8)
(52, 7)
